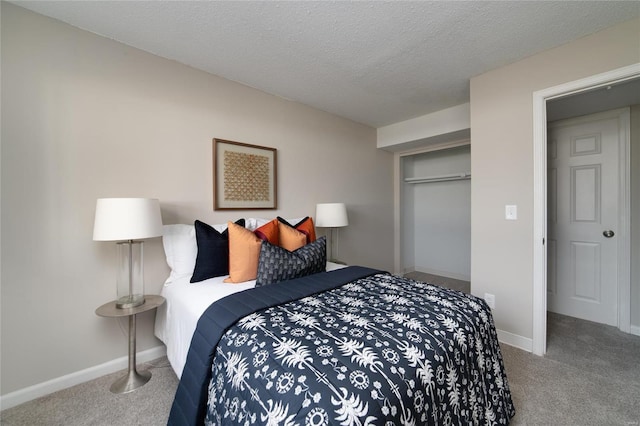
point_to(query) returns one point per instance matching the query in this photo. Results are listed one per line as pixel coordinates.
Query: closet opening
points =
(435, 215)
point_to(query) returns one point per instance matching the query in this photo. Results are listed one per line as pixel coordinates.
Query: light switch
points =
(511, 212)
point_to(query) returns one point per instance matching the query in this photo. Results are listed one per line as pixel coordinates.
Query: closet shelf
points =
(440, 178)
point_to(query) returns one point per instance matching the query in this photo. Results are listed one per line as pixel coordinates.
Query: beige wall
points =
(85, 117)
(502, 163)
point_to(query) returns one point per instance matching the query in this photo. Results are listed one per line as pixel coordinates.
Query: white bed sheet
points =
(177, 318)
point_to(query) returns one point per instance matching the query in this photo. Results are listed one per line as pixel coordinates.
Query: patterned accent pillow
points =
(277, 264)
(305, 226)
(212, 259)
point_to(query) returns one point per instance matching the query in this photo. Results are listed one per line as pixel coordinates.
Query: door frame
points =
(540, 98)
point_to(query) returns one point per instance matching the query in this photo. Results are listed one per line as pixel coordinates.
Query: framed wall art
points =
(244, 176)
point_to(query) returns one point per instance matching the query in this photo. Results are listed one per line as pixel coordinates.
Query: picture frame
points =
(244, 176)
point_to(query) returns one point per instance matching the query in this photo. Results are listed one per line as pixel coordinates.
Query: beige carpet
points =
(92, 403)
(590, 376)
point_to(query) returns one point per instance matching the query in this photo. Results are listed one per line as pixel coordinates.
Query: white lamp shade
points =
(331, 215)
(119, 219)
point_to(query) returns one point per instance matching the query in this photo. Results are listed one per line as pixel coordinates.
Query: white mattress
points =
(177, 318)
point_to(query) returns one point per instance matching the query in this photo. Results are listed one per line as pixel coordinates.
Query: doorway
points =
(586, 183)
(540, 110)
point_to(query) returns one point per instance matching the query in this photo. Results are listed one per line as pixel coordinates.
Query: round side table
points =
(133, 379)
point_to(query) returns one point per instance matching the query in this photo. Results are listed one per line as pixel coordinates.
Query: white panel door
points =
(582, 217)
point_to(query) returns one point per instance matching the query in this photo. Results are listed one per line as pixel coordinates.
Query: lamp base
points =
(130, 301)
(130, 278)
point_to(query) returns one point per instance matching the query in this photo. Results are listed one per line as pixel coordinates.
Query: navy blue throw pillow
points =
(213, 251)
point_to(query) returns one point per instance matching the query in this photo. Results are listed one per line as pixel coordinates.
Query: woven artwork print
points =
(246, 177)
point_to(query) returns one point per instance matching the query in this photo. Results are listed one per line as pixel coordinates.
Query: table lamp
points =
(125, 220)
(333, 216)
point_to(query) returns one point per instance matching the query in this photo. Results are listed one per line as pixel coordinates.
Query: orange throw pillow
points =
(244, 252)
(290, 239)
(305, 226)
(269, 232)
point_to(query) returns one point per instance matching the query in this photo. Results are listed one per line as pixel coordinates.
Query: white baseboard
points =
(515, 340)
(45, 388)
(526, 344)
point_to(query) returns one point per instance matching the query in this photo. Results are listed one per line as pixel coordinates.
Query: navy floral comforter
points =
(378, 350)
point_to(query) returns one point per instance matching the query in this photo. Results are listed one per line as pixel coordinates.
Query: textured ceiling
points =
(373, 62)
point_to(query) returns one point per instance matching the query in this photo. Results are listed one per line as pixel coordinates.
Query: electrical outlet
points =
(490, 299)
(511, 212)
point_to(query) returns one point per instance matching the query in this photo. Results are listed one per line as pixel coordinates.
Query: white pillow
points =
(295, 221)
(253, 223)
(181, 249)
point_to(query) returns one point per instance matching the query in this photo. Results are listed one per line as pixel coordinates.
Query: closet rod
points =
(441, 178)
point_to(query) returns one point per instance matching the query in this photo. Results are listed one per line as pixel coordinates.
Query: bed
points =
(351, 346)
(176, 319)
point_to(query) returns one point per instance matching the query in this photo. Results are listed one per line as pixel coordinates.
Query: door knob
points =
(608, 233)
